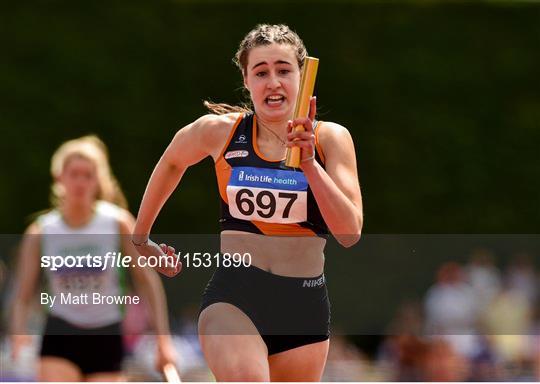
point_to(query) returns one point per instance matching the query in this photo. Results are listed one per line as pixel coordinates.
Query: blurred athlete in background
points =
(83, 341)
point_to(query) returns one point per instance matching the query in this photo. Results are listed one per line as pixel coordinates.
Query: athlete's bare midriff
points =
(280, 255)
(293, 256)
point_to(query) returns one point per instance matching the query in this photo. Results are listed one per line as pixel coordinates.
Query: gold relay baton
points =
(171, 373)
(307, 85)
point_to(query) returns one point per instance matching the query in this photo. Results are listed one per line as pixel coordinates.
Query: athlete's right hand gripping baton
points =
(307, 85)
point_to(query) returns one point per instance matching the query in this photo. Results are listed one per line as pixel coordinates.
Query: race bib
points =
(269, 195)
(80, 282)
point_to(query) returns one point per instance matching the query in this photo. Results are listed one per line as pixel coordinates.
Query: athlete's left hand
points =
(306, 139)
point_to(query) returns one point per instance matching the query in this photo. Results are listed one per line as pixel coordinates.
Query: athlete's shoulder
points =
(35, 228)
(330, 128)
(121, 215)
(213, 125)
(215, 121)
(106, 208)
(216, 129)
(47, 218)
(330, 133)
(126, 221)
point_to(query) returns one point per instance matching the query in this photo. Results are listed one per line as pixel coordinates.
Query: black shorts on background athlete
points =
(95, 350)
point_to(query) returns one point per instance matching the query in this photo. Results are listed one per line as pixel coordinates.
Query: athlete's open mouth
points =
(275, 100)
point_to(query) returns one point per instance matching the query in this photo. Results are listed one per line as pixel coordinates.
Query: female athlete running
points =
(268, 321)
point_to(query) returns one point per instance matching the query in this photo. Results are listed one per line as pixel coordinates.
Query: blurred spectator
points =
(404, 355)
(450, 304)
(412, 356)
(483, 276)
(483, 365)
(522, 277)
(451, 309)
(443, 363)
(404, 351)
(480, 325)
(508, 314)
(508, 320)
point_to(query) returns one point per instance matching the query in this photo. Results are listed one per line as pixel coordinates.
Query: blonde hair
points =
(91, 148)
(262, 34)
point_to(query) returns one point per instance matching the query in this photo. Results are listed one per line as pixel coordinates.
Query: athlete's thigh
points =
(106, 376)
(233, 348)
(52, 368)
(305, 363)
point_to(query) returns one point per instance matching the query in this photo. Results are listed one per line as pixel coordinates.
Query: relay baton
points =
(171, 373)
(307, 85)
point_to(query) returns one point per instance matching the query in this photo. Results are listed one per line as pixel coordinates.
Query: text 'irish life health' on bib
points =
(269, 195)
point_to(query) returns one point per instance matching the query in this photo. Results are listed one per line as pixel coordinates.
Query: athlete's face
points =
(79, 178)
(272, 77)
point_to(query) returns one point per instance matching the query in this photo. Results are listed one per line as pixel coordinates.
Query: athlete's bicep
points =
(340, 162)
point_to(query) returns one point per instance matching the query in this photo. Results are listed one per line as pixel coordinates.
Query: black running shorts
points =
(93, 350)
(288, 312)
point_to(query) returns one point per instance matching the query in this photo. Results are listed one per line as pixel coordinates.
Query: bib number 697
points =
(265, 203)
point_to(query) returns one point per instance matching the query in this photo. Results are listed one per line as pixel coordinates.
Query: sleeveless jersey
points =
(264, 196)
(72, 283)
